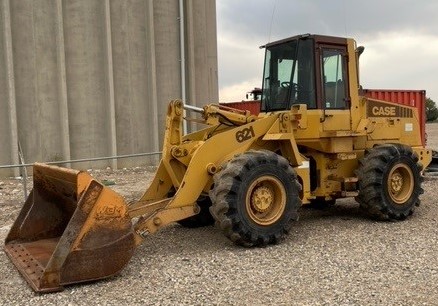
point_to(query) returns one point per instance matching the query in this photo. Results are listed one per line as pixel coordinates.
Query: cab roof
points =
(319, 39)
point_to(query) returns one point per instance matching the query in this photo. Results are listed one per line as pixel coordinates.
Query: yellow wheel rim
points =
(400, 183)
(266, 200)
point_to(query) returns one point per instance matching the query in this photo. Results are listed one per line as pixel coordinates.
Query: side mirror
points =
(360, 50)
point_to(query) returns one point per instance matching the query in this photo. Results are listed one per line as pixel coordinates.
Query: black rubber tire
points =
(374, 191)
(204, 218)
(229, 197)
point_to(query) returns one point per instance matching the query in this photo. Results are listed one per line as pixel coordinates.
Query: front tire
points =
(255, 198)
(389, 182)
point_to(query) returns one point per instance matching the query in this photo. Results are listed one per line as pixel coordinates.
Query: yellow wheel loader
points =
(317, 139)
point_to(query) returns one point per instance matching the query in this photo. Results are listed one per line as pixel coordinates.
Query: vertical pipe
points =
(62, 82)
(11, 84)
(183, 60)
(112, 107)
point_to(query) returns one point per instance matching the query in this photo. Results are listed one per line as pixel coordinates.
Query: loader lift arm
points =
(188, 164)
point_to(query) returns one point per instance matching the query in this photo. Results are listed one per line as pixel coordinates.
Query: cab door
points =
(335, 97)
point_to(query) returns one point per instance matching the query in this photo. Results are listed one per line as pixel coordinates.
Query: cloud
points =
(395, 61)
(237, 92)
(400, 38)
(240, 62)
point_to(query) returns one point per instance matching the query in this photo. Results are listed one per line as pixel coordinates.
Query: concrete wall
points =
(92, 78)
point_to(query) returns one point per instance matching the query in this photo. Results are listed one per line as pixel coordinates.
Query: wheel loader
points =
(316, 140)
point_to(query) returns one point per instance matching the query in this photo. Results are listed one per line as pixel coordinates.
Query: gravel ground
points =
(332, 257)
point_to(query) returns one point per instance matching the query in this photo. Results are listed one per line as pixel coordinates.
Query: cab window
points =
(334, 79)
(289, 76)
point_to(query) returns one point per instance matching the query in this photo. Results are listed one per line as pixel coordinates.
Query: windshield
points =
(289, 75)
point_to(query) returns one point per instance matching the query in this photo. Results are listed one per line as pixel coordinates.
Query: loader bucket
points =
(71, 229)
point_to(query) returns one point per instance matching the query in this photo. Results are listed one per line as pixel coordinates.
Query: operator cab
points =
(306, 69)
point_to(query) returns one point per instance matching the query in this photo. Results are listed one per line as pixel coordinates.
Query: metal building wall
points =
(92, 78)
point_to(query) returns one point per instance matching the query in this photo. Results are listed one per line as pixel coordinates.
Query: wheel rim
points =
(266, 200)
(400, 183)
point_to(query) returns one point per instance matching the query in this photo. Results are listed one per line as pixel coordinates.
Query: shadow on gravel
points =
(180, 241)
(344, 211)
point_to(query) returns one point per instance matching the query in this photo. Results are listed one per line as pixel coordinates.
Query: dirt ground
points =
(332, 257)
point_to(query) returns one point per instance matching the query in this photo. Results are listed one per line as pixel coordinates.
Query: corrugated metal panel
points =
(92, 78)
(414, 98)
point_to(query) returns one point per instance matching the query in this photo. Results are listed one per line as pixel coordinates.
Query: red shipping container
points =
(415, 98)
(252, 106)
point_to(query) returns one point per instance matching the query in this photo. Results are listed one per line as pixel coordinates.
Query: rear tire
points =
(255, 198)
(389, 182)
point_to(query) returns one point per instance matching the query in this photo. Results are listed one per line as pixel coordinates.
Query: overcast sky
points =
(400, 39)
